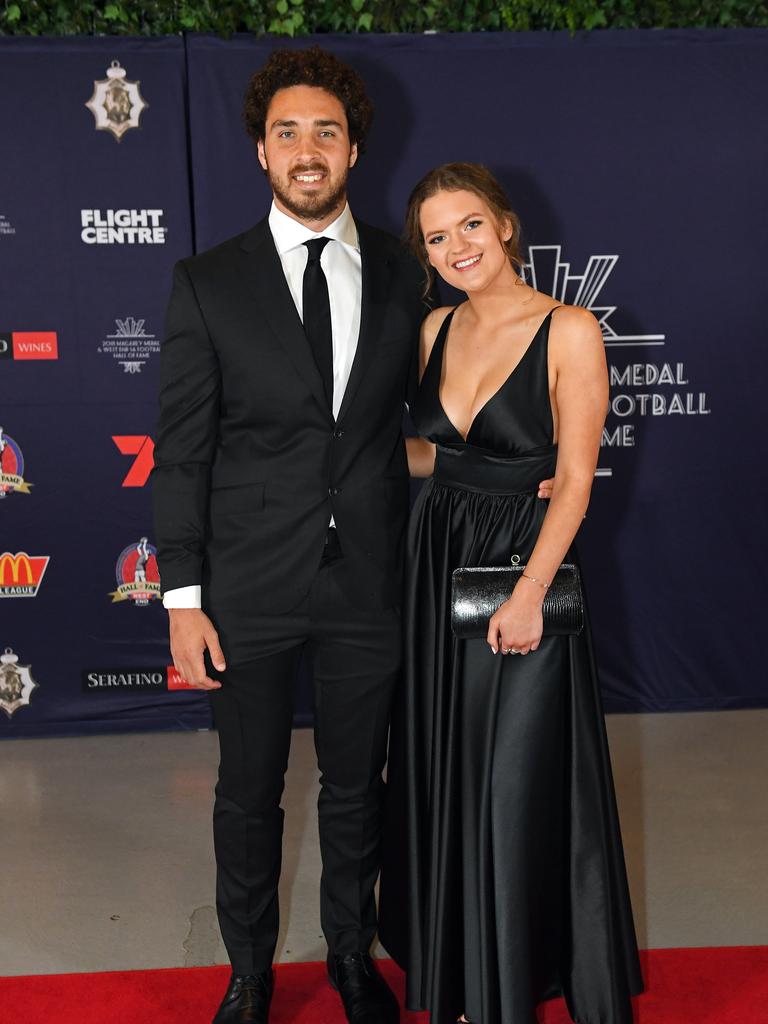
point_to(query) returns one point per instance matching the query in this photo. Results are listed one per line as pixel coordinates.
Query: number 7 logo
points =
(143, 447)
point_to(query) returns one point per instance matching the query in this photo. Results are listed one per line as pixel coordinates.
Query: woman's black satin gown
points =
(503, 880)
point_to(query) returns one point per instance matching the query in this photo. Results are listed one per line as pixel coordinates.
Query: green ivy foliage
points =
(302, 17)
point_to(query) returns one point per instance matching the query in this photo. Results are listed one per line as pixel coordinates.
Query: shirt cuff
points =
(183, 597)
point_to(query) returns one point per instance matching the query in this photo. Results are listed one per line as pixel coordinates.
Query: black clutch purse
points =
(479, 592)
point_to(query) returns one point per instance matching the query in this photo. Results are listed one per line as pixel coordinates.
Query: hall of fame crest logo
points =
(138, 577)
(16, 683)
(638, 388)
(11, 467)
(116, 103)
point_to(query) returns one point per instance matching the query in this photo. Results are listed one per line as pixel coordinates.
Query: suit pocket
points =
(237, 499)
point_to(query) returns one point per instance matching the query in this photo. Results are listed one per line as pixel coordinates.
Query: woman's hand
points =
(517, 626)
(545, 488)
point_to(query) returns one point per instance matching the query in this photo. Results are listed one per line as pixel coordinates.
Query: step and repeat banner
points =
(95, 207)
(637, 162)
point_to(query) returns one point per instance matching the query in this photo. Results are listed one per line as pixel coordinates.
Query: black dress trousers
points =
(355, 655)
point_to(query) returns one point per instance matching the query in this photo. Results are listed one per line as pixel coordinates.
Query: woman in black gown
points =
(503, 881)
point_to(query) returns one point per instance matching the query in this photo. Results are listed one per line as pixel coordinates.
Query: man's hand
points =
(191, 632)
(545, 488)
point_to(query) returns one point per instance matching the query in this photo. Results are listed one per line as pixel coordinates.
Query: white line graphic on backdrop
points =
(547, 272)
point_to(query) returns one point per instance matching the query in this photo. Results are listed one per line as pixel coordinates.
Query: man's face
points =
(306, 153)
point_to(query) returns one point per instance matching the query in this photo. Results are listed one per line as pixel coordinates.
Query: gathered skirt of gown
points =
(503, 879)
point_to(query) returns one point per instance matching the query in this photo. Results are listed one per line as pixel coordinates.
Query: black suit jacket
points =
(249, 463)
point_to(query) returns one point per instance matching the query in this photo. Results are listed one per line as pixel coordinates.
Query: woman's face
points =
(462, 240)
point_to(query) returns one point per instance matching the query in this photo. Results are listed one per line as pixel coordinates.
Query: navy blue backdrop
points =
(637, 162)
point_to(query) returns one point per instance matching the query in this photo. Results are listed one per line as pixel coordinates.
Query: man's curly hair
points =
(308, 67)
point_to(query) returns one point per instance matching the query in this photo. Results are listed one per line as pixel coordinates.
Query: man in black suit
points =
(281, 494)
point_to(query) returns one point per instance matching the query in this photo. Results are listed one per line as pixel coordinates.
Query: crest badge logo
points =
(11, 467)
(138, 578)
(16, 683)
(116, 103)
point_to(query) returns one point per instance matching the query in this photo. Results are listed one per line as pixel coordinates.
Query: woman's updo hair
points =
(461, 177)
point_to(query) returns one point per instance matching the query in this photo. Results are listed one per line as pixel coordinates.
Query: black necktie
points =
(317, 314)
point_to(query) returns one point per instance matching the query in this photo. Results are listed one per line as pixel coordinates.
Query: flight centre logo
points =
(11, 467)
(21, 574)
(639, 388)
(138, 578)
(16, 683)
(29, 345)
(116, 103)
(122, 227)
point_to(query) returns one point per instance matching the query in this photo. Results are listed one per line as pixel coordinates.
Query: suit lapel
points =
(266, 282)
(375, 272)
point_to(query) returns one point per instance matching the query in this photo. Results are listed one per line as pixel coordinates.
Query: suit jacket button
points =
(338, 433)
(334, 490)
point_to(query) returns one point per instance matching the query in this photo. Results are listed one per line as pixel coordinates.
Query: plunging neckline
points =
(447, 325)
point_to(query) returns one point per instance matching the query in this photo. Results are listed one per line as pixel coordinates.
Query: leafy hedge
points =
(300, 17)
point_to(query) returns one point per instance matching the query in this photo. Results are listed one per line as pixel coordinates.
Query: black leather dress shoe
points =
(247, 999)
(367, 998)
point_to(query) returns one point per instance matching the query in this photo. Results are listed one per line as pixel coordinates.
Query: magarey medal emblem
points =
(116, 103)
(16, 683)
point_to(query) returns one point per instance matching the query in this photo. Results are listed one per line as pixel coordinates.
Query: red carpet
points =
(685, 986)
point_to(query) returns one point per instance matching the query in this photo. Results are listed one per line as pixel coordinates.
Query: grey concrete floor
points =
(107, 859)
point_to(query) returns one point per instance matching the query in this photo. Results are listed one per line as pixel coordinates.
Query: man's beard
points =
(309, 207)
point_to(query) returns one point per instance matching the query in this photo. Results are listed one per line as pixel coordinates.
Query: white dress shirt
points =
(342, 267)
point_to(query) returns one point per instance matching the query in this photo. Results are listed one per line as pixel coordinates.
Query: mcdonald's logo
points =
(21, 574)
